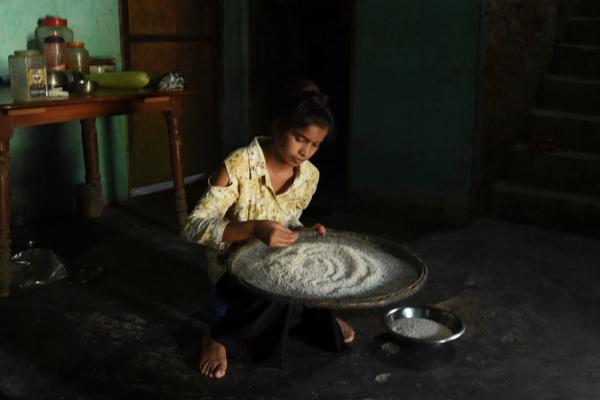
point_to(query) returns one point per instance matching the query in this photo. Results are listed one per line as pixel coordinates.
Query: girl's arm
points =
(269, 232)
(206, 225)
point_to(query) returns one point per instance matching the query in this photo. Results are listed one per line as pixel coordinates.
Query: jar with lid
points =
(101, 65)
(52, 26)
(55, 52)
(78, 58)
(27, 69)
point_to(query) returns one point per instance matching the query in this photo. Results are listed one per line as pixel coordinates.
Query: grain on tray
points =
(325, 268)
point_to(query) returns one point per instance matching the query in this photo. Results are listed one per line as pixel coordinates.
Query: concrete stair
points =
(584, 30)
(552, 175)
(589, 8)
(577, 60)
(546, 207)
(566, 170)
(570, 94)
(578, 132)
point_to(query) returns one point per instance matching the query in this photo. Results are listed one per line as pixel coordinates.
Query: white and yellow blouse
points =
(249, 196)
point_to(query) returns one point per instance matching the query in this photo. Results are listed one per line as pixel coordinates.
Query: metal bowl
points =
(57, 79)
(72, 76)
(442, 317)
(85, 86)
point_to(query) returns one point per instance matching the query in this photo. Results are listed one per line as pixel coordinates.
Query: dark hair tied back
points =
(304, 105)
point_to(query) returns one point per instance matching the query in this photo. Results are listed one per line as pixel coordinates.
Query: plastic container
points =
(52, 26)
(78, 58)
(55, 52)
(27, 69)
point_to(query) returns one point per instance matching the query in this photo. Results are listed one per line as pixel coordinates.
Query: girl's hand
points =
(274, 234)
(321, 229)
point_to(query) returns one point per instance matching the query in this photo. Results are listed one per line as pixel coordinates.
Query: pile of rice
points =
(330, 267)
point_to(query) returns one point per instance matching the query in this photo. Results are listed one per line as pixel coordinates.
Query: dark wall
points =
(437, 90)
(414, 106)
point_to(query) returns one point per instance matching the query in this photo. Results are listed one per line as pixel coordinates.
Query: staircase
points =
(553, 175)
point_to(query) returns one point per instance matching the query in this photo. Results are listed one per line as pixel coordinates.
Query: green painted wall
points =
(414, 105)
(235, 124)
(47, 162)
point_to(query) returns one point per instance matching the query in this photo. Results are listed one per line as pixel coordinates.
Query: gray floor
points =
(529, 297)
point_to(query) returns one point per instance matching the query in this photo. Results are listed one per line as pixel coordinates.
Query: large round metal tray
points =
(395, 291)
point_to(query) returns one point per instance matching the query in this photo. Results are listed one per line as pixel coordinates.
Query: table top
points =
(102, 95)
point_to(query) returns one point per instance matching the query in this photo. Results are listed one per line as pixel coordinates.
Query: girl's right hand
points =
(274, 234)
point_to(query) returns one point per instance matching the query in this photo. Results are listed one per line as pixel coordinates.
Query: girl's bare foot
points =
(347, 331)
(213, 359)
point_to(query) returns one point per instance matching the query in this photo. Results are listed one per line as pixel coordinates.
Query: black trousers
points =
(256, 329)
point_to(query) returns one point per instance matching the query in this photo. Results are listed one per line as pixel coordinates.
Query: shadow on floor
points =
(525, 294)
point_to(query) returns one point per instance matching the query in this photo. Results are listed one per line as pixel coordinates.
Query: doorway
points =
(293, 39)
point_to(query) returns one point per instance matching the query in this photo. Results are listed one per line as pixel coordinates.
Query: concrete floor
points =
(528, 296)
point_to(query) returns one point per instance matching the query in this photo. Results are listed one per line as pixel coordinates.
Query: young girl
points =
(260, 192)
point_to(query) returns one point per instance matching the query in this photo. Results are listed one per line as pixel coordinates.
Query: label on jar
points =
(36, 82)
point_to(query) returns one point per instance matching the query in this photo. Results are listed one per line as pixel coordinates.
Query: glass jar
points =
(52, 26)
(78, 58)
(101, 65)
(27, 69)
(55, 52)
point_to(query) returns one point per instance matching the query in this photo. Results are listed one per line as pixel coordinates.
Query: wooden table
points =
(103, 103)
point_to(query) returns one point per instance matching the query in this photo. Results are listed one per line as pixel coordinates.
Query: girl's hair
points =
(303, 105)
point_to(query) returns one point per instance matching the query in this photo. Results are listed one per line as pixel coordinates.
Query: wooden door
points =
(160, 36)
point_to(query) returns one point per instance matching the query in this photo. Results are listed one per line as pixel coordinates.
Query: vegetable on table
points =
(121, 80)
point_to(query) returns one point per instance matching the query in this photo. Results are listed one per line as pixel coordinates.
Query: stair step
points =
(584, 30)
(579, 132)
(569, 171)
(577, 60)
(570, 94)
(589, 8)
(524, 203)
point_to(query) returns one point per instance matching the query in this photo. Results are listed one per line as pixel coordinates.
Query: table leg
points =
(5, 264)
(92, 199)
(175, 147)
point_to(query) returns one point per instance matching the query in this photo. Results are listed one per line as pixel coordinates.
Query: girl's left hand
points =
(321, 229)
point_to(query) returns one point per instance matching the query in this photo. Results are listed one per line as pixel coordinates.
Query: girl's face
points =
(298, 145)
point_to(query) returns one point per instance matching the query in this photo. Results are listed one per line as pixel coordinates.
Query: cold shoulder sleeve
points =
(206, 223)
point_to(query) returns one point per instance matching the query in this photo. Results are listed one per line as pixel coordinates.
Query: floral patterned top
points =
(249, 196)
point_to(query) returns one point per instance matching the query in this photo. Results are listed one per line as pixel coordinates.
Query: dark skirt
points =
(255, 328)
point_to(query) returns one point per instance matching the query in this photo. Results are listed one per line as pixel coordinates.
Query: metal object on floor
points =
(392, 292)
(437, 315)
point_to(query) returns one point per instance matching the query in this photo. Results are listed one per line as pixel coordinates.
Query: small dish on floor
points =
(423, 325)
